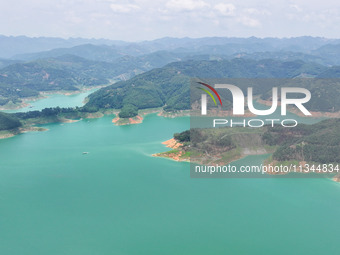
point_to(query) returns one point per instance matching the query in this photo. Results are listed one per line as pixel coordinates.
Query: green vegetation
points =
(176, 154)
(66, 73)
(183, 136)
(220, 145)
(54, 71)
(260, 62)
(312, 143)
(169, 87)
(8, 122)
(231, 155)
(50, 115)
(318, 143)
(128, 111)
(149, 90)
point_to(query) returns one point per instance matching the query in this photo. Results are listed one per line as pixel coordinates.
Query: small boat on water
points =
(85, 152)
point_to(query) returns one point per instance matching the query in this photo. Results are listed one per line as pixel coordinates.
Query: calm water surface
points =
(54, 100)
(118, 199)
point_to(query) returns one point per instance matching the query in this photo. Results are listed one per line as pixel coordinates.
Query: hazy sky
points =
(149, 19)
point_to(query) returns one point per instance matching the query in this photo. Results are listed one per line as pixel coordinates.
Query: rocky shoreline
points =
(174, 154)
(18, 131)
(127, 121)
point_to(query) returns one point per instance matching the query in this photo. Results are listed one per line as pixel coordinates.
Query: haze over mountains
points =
(18, 47)
(13, 45)
(33, 65)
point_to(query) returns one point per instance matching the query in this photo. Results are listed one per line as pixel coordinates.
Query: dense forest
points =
(169, 87)
(63, 73)
(8, 122)
(53, 114)
(159, 73)
(314, 143)
(318, 143)
(156, 88)
(173, 62)
(20, 79)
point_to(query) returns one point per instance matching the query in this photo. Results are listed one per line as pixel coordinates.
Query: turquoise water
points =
(118, 199)
(54, 100)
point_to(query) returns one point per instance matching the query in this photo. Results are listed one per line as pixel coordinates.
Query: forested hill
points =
(318, 142)
(68, 72)
(169, 86)
(8, 122)
(148, 90)
(62, 73)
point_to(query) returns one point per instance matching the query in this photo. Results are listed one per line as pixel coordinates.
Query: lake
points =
(118, 199)
(54, 100)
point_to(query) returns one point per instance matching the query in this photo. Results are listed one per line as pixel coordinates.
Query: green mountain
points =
(325, 55)
(7, 62)
(103, 53)
(330, 52)
(168, 87)
(14, 45)
(63, 73)
(284, 56)
(67, 72)
(54, 47)
(151, 89)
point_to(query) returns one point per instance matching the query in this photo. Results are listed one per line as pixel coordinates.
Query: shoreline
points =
(29, 125)
(44, 95)
(141, 113)
(174, 154)
(14, 132)
(138, 119)
(179, 155)
(127, 121)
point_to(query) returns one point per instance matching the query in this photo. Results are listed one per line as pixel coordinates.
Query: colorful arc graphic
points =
(213, 90)
(208, 92)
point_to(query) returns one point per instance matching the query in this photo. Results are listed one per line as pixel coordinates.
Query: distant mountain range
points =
(15, 47)
(52, 64)
(325, 55)
(157, 73)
